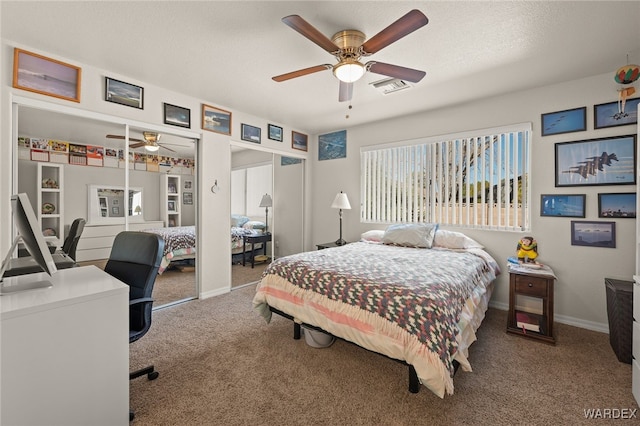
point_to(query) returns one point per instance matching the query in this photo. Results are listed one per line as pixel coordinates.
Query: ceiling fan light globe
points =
(151, 148)
(349, 72)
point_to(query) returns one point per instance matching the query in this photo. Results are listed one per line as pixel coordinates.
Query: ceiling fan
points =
(349, 46)
(150, 141)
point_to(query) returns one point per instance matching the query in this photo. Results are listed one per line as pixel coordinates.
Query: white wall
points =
(579, 292)
(213, 160)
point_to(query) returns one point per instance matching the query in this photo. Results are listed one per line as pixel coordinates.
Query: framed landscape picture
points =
(617, 205)
(298, 140)
(332, 145)
(119, 92)
(216, 120)
(609, 114)
(604, 161)
(39, 74)
(177, 116)
(593, 234)
(562, 205)
(567, 121)
(275, 132)
(250, 133)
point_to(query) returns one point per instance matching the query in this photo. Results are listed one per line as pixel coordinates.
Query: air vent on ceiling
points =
(390, 85)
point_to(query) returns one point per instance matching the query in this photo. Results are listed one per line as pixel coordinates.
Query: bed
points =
(419, 305)
(242, 226)
(179, 244)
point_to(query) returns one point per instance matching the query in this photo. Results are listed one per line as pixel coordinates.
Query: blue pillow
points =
(237, 220)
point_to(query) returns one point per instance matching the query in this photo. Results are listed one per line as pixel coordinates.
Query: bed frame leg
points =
(296, 331)
(414, 383)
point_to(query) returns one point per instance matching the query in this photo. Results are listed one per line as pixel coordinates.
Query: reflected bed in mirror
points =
(106, 205)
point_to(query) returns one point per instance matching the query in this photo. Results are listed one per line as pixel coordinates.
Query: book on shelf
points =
(527, 321)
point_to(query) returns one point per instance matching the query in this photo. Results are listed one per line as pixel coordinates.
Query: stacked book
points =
(527, 321)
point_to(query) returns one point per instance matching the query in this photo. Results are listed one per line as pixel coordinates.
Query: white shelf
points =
(171, 199)
(51, 173)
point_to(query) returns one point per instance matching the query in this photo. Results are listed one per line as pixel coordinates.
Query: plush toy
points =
(527, 250)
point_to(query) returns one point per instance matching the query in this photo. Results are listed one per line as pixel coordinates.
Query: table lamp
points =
(266, 202)
(341, 202)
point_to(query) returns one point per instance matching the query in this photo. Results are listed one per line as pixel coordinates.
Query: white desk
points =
(64, 351)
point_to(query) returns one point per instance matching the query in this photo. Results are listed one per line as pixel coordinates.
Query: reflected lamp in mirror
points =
(266, 202)
(341, 202)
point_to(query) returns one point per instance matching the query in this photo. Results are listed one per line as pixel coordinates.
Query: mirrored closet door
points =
(159, 191)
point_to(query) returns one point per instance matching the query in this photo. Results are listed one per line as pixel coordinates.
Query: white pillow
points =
(454, 240)
(374, 235)
(411, 234)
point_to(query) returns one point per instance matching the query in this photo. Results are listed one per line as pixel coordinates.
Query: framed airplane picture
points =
(567, 121)
(604, 161)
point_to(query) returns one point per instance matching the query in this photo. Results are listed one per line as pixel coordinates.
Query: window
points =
(477, 179)
(248, 185)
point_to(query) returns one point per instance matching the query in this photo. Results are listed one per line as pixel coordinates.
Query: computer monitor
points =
(29, 233)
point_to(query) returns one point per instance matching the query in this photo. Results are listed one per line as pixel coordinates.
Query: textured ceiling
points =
(225, 53)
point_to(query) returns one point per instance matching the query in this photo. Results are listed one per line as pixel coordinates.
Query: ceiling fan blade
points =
(162, 145)
(137, 145)
(396, 71)
(394, 32)
(310, 32)
(346, 92)
(300, 73)
(122, 137)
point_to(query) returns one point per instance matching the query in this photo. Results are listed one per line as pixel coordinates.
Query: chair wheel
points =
(131, 415)
(153, 375)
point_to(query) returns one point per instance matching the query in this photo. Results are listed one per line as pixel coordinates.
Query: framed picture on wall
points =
(177, 116)
(122, 93)
(604, 161)
(39, 74)
(250, 133)
(562, 205)
(617, 205)
(275, 132)
(298, 140)
(593, 234)
(567, 121)
(609, 114)
(216, 120)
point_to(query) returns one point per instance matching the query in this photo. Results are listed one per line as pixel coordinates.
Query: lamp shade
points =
(341, 201)
(152, 148)
(266, 201)
(348, 71)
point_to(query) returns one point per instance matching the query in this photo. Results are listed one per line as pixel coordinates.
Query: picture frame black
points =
(582, 163)
(562, 205)
(30, 72)
(123, 93)
(299, 141)
(608, 114)
(171, 206)
(593, 234)
(250, 133)
(618, 205)
(566, 121)
(177, 116)
(274, 132)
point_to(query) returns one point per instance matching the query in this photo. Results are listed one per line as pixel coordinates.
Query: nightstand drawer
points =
(532, 286)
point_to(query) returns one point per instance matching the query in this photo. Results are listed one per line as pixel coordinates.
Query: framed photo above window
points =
(39, 74)
(216, 120)
(605, 161)
(567, 121)
(177, 116)
(617, 205)
(250, 133)
(609, 114)
(593, 234)
(275, 132)
(298, 141)
(562, 205)
(122, 93)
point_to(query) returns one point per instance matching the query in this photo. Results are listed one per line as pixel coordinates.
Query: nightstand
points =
(536, 284)
(253, 240)
(328, 245)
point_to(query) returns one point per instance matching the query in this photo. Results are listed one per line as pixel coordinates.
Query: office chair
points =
(71, 242)
(135, 259)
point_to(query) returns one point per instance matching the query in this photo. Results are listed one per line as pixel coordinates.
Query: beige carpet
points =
(220, 363)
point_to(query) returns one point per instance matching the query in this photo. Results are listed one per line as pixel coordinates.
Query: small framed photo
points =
(562, 205)
(593, 234)
(617, 205)
(188, 185)
(39, 74)
(275, 132)
(177, 116)
(567, 121)
(171, 205)
(298, 141)
(115, 210)
(122, 93)
(609, 114)
(604, 161)
(250, 133)
(216, 120)
(187, 198)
